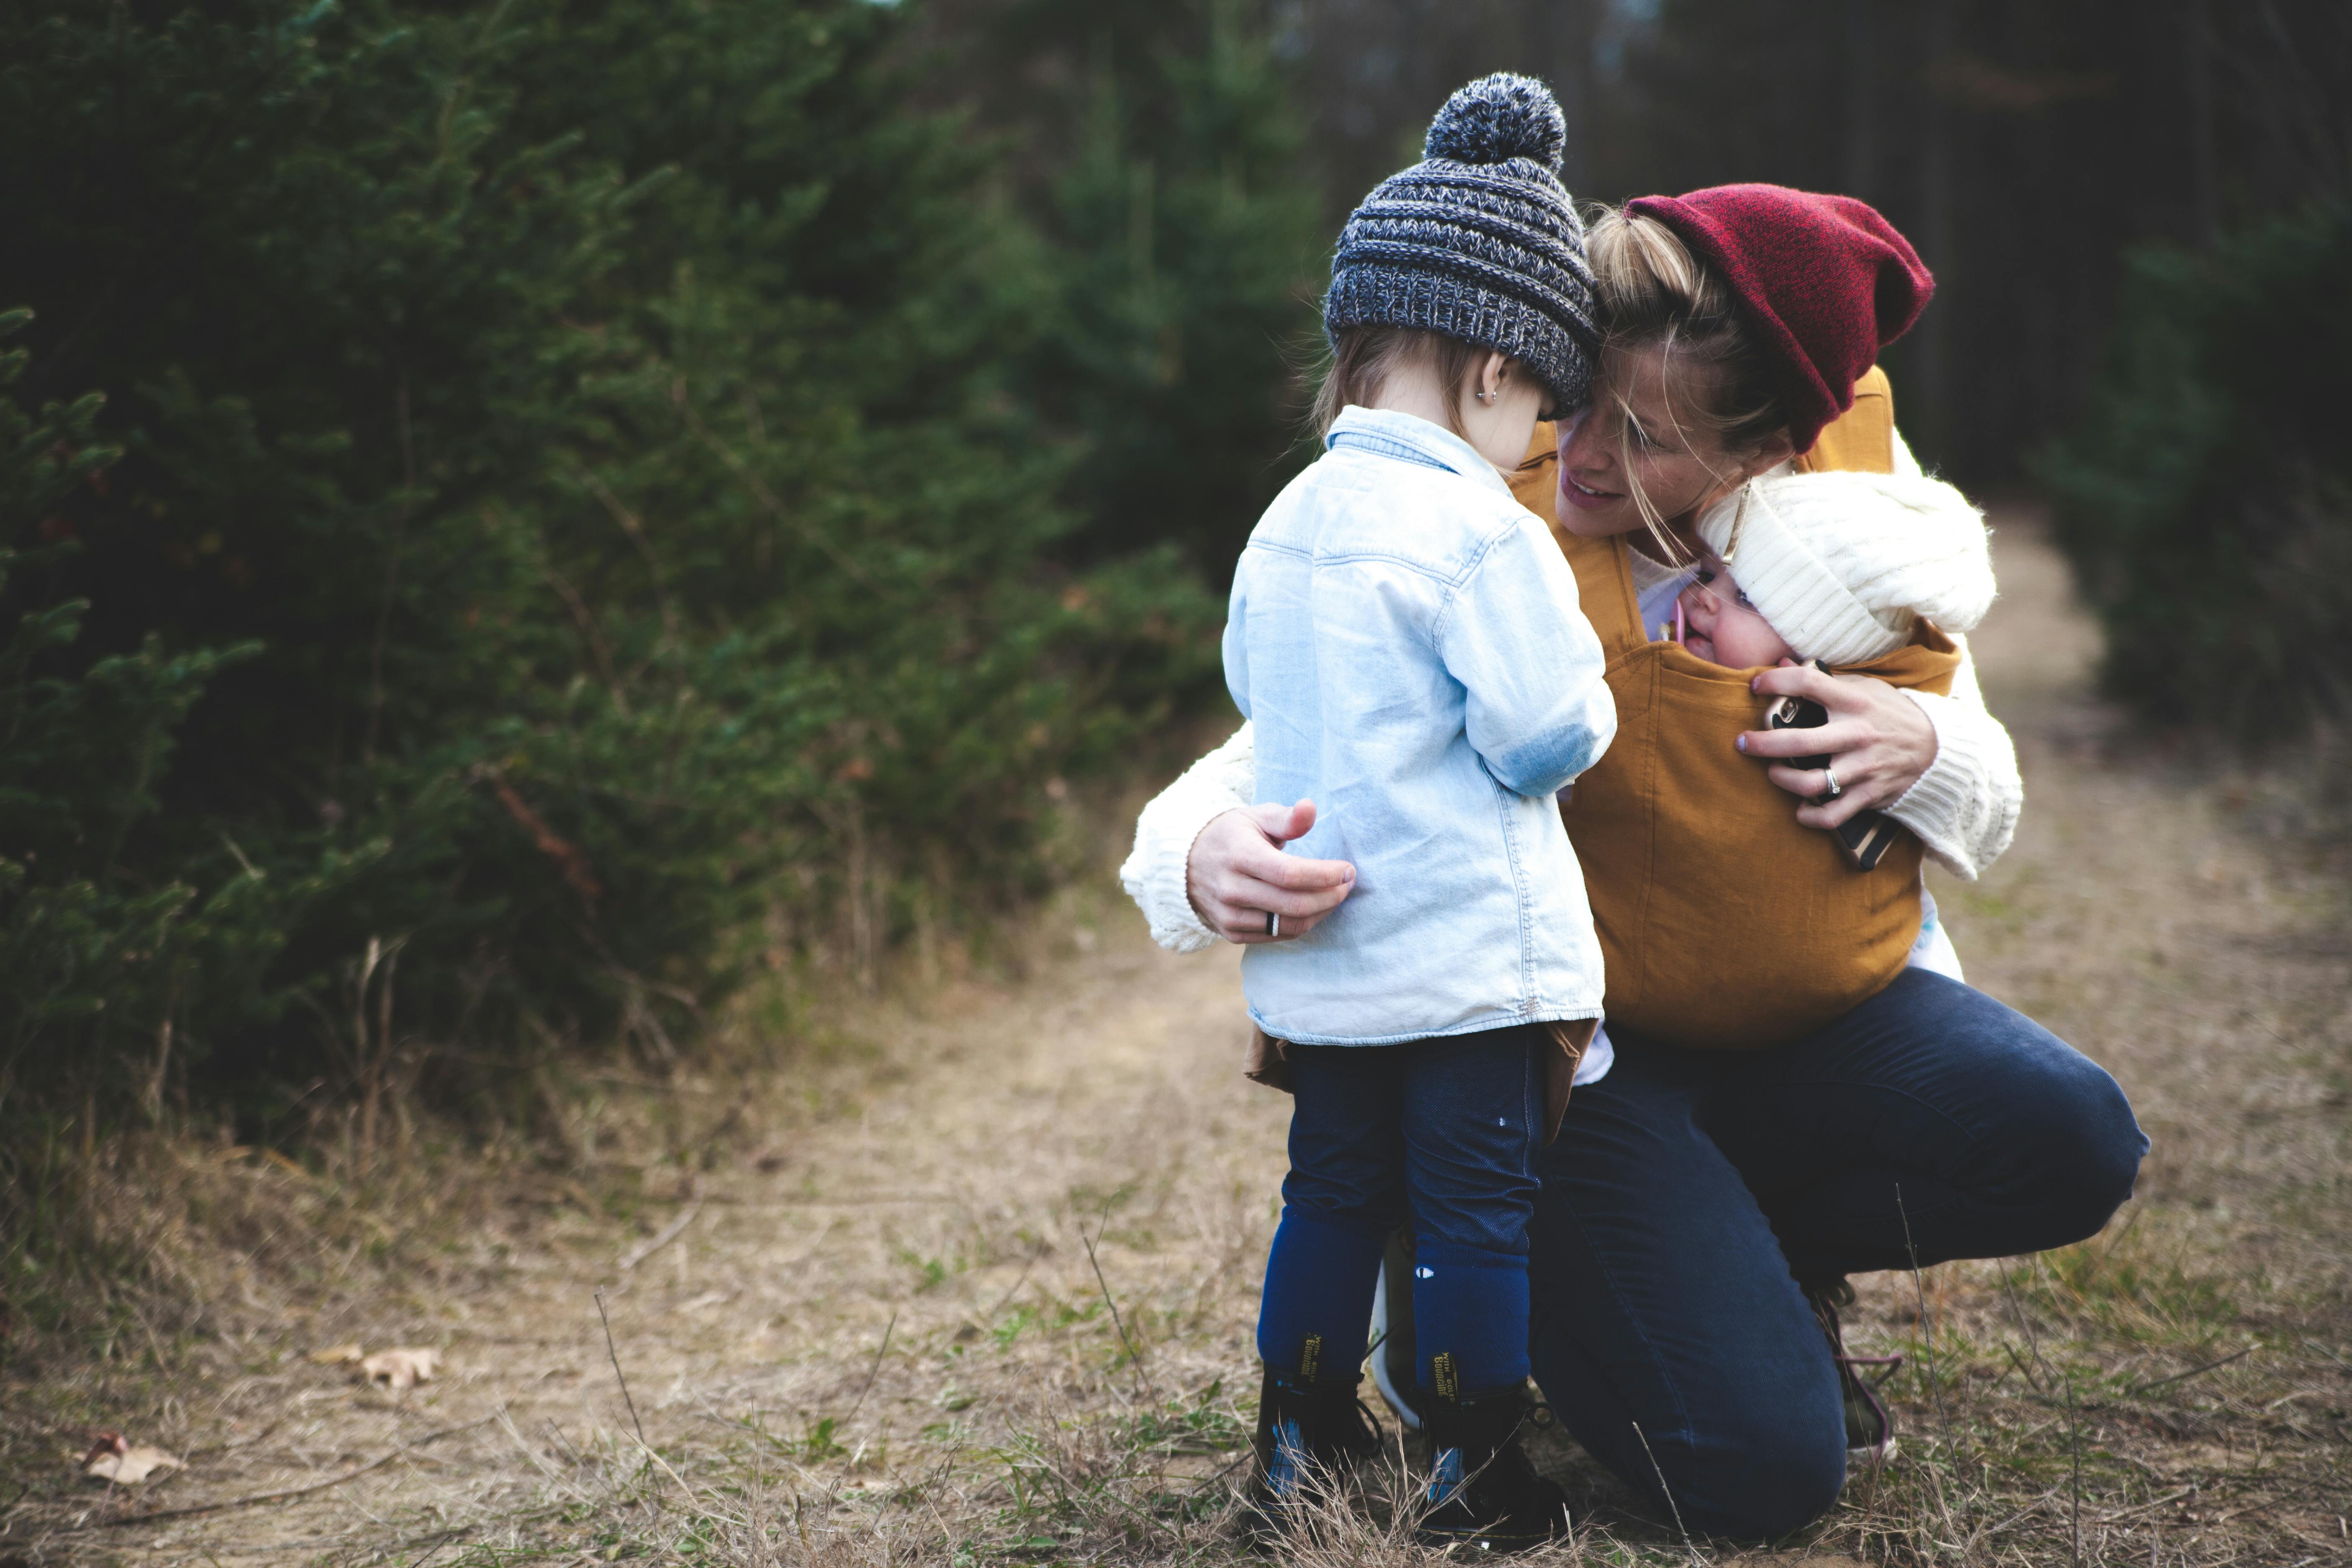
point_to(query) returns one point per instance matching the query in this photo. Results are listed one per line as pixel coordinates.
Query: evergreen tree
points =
(2210, 489)
(568, 509)
(1187, 247)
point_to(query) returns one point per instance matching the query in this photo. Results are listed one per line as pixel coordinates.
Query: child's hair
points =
(1719, 382)
(1363, 359)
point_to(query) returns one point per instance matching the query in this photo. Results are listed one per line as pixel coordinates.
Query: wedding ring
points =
(1273, 923)
(1835, 789)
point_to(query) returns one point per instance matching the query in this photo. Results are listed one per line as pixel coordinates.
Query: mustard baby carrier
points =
(1723, 922)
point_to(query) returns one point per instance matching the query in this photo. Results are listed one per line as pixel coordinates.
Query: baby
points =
(1720, 623)
(1839, 567)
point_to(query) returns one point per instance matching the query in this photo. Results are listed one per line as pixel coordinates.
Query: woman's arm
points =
(1942, 766)
(1208, 864)
(1964, 807)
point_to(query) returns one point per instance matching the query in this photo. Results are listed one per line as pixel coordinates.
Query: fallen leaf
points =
(399, 1369)
(338, 1355)
(111, 1458)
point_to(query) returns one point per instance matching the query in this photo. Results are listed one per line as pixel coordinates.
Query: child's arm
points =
(1538, 712)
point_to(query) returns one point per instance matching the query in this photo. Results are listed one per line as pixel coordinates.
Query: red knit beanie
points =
(1825, 280)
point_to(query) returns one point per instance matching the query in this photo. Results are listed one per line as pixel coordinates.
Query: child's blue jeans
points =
(1446, 1130)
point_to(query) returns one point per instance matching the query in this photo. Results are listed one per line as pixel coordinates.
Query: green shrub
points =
(1191, 250)
(2207, 501)
(571, 537)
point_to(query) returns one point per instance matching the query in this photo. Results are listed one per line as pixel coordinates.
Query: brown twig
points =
(288, 1494)
(617, 1373)
(1135, 1357)
(2193, 1371)
(662, 1237)
(873, 1371)
(1026, 1269)
(569, 858)
(2025, 1326)
(1668, 1493)
(635, 529)
(759, 490)
(1935, 1377)
(1927, 1326)
(2075, 1480)
(2155, 1502)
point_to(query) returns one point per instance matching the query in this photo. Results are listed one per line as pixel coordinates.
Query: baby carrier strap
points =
(1862, 439)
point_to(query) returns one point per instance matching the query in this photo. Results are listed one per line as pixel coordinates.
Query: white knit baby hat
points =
(1839, 563)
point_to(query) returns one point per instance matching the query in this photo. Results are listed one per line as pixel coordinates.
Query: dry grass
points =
(974, 1280)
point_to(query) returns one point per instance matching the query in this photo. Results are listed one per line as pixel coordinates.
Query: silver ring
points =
(1835, 789)
(1273, 923)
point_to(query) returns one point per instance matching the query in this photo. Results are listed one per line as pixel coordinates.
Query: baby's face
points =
(1721, 627)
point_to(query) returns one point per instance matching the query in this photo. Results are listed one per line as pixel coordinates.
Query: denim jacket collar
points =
(1410, 438)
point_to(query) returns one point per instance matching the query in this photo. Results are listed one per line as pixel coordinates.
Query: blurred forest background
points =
(519, 516)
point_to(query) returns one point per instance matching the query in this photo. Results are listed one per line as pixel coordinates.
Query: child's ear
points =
(1492, 374)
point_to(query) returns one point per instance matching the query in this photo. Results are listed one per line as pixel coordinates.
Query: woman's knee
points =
(2090, 1148)
(1751, 1457)
(1758, 1485)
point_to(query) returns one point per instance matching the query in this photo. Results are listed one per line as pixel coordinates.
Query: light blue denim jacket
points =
(1406, 639)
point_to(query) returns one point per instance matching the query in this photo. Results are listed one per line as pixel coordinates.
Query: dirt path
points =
(898, 1323)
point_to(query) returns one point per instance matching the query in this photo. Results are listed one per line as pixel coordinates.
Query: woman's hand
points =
(1237, 874)
(1879, 742)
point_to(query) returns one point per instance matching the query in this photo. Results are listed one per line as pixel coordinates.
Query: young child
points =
(1406, 640)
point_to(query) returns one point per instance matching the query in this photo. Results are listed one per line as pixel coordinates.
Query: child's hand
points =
(1879, 742)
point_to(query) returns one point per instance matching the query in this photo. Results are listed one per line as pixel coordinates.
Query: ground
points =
(973, 1278)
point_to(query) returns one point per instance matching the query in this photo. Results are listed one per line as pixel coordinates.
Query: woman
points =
(1700, 1209)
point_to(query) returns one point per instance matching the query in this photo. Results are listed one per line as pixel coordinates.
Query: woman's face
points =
(1679, 468)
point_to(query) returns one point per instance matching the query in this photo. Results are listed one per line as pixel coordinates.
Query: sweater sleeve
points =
(1223, 780)
(1964, 807)
(1906, 466)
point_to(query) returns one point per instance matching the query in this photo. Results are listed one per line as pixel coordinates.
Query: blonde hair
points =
(1364, 359)
(1719, 382)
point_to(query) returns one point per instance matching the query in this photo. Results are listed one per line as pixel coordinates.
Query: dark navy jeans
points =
(1447, 1130)
(1689, 1192)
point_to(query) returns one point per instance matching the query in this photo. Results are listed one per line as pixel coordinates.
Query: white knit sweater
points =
(1964, 808)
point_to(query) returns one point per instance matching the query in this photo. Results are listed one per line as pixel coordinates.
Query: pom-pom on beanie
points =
(1479, 241)
(1840, 564)
(1825, 280)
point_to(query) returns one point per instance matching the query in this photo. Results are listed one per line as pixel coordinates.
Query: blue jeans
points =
(1689, 1192)
(1446, 1130)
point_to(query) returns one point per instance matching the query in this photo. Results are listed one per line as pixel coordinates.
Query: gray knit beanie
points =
(1479, 241)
